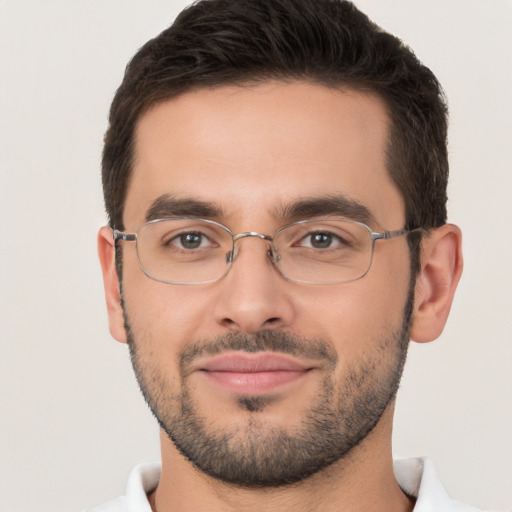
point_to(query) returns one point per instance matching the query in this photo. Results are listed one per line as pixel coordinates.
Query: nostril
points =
(228, 323)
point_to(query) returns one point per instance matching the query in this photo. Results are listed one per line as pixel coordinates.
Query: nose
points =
(253, 295)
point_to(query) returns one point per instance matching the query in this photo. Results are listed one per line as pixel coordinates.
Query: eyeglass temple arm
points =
(125, 237)
(386, 235)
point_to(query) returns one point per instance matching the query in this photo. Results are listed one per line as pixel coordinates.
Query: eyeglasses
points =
(189, 251)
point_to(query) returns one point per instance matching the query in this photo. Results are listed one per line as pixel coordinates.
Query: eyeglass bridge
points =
(272, 253)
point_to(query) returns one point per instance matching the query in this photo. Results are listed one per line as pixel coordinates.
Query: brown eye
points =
(190, 240)
(321, 240)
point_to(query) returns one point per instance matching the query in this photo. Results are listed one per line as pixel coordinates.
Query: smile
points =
(254, 374)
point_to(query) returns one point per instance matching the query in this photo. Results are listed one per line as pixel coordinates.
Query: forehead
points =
(252, 151)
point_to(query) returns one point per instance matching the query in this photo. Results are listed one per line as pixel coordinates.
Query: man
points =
(275, 178)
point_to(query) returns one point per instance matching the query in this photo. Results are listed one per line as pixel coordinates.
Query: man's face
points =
(257, 379)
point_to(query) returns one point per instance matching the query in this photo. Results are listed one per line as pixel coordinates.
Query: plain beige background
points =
(72, 421)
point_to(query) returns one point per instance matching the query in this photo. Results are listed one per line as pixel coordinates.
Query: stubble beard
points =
(266, 455)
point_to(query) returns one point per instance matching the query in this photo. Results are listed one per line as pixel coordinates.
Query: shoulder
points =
(118, 505)
(142, 480)
(418, 478)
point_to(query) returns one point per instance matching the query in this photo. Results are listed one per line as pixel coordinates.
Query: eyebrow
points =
(338, 205)
(167, 205)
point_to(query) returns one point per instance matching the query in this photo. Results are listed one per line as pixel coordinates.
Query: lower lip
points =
(254, 383)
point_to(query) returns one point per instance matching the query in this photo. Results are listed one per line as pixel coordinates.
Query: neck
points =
(361, 481)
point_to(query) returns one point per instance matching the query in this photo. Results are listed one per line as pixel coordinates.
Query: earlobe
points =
(441, 268)
(106, 253)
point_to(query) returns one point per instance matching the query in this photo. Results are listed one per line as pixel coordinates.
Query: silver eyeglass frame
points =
(273, 255)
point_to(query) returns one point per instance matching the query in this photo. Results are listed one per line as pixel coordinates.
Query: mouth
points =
(252, 373)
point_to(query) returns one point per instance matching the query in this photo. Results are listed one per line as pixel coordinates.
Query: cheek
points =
(352, 317)
(165, 316)
(355, 317)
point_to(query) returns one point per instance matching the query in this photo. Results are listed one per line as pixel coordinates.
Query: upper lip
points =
(245, 362)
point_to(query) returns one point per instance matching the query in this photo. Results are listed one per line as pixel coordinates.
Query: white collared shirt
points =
(417, 478)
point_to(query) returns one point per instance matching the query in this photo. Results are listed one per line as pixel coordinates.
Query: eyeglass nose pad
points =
(274, 255)
(229, 257)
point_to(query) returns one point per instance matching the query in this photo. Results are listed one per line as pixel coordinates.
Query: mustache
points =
(261, 341)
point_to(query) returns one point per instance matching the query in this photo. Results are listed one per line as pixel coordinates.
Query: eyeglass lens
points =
(192, 251)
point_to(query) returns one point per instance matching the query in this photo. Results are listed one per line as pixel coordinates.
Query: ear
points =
(106, 253)
(441, 268)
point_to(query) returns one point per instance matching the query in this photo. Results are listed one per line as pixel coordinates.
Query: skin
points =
(251, 151)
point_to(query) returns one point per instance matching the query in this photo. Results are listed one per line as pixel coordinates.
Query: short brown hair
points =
(329, 42)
